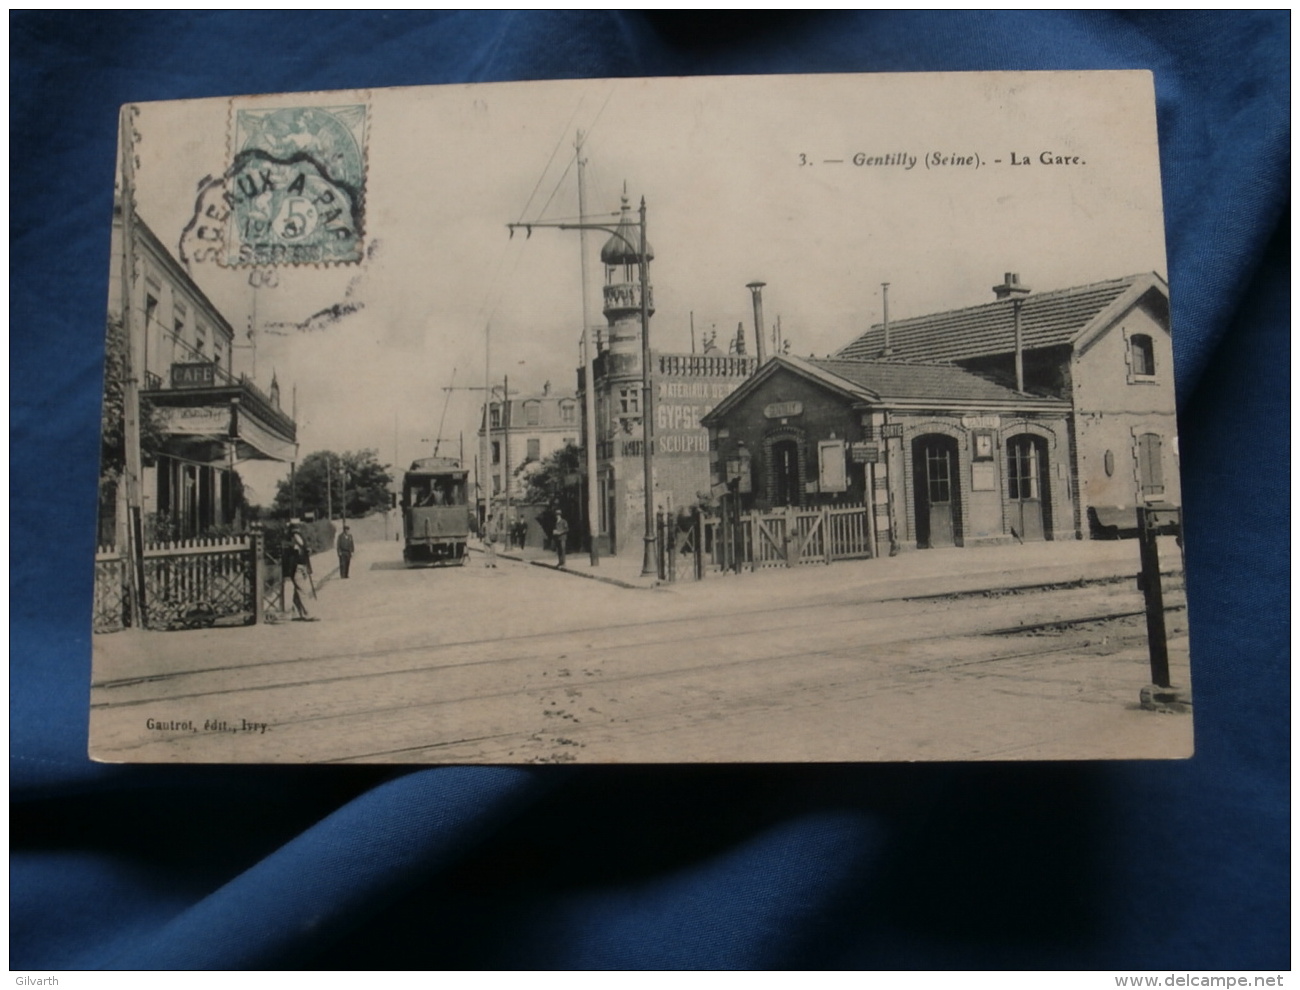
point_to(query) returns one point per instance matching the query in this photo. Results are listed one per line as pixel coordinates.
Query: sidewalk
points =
(623, 571)
(912, 574)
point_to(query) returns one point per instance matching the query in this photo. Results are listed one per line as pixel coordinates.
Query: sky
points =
(745, 178)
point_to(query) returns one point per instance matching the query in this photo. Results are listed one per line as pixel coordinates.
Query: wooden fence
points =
(779, 538)
(188, 584)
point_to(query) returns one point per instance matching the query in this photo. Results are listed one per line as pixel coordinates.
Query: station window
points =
(494, 416)
(1142, 356)
(534, 450)
(532, 413)
(568, 412)
(496, 452)
(629, 401)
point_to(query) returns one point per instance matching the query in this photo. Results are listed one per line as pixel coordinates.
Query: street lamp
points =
(648, 568)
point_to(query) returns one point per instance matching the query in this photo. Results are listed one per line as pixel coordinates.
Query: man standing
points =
(489, 541)
(295, 564)
(345, 546)
(560, 534)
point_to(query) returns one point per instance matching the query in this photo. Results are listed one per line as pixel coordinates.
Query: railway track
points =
(547, 696)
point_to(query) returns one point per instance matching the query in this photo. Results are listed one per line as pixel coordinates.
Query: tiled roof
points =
(923, 384)
(931, 382)
(1046, 319)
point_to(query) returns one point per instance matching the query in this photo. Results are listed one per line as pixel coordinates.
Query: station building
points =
(919, 445)
(953, 435)
(1104, 347)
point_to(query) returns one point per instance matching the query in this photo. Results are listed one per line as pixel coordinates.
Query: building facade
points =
(1105, 348)
(937, 455)
(683, 388)
(205, 419)
(522, 433)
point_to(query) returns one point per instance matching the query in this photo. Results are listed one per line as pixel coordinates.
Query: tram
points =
(435, 511)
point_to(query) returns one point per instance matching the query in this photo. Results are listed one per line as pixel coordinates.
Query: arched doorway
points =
(937, 491)
(1028, 492)
(784, 467)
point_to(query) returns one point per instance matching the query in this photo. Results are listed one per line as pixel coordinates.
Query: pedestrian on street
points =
(346, 547)
(295, 564)
(489, 541)
(560, 534)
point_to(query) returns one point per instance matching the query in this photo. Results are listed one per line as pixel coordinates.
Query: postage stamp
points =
(295, 189)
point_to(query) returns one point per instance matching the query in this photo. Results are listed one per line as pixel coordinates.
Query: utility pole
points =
(293, 464)
(589, 360)
(483, 474)
(648, 567)
(133, 542)
(486, 488)
(505, 426)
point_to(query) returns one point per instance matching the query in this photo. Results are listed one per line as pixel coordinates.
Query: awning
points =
(256, 442)
(220, 433)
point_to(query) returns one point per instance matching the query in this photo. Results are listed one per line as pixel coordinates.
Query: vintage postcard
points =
(803, 418)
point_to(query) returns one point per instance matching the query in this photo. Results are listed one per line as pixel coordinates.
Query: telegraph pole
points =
(486, 447)
(648, 567)
(133, 545)
(505, 426)
(589, 360)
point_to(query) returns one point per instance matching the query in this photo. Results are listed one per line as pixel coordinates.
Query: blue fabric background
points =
(1136, 865)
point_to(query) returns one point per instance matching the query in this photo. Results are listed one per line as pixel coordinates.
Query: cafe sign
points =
(198, 374)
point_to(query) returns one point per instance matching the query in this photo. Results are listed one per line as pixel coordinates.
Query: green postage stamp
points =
(296, 185)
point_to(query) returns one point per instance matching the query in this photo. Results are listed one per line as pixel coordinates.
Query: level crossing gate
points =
(787, 537)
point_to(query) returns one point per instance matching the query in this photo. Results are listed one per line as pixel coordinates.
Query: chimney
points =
(1013, 290)
(756, 289)
(1010, 286)
(886, 351)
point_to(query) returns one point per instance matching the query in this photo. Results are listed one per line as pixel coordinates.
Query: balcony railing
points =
(706, 365)
(627, 295)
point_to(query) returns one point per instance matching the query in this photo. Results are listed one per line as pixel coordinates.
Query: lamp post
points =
(648, 568)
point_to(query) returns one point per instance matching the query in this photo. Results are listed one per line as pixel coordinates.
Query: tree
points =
(112, 432)
(553, 479)
(357, 483)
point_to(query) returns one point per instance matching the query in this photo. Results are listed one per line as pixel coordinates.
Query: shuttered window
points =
(1151, 476)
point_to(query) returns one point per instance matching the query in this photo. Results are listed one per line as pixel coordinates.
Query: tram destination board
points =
(734, 419)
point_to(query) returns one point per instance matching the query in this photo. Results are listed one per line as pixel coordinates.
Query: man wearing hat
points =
(295, 563)
(346, 547)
